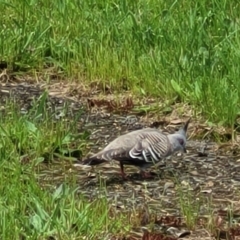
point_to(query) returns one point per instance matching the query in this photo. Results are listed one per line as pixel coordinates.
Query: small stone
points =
(194, 173)
(208, 191)
(210, 184)
(185, 183)
(168, 185)
(178, 233)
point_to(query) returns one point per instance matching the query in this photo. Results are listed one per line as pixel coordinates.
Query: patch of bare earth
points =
(207, 178)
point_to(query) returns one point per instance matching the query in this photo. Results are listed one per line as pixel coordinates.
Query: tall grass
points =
(188, 49)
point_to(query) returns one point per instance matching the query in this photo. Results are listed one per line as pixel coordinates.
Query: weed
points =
(37, 132)
(189, 206)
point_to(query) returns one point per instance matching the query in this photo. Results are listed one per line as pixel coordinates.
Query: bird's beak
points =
(184, 150)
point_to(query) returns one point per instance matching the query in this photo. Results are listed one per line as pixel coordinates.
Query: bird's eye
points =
(181, 141)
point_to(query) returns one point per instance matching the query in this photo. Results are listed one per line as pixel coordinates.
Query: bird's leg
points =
(122, 171)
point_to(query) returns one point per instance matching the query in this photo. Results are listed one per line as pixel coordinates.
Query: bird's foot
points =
(146, 175)
(124, 176)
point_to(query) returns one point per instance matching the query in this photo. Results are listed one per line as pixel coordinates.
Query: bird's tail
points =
(93, 161)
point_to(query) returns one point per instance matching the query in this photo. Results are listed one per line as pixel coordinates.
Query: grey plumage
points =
(141, 148)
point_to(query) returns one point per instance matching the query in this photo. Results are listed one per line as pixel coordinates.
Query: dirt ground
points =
(207, 177)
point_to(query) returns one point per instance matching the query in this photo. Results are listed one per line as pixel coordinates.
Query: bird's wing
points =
(152, 146)
(119, 154)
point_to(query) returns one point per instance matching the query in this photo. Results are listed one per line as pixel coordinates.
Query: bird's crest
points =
(183, 130)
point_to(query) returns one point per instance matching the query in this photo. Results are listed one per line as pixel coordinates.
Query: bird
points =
(141, 148)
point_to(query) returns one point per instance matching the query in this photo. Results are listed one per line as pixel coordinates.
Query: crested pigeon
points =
(142, 148)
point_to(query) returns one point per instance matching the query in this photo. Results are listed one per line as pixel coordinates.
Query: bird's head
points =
(178, 140)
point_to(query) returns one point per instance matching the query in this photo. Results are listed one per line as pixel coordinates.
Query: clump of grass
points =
(189, 206)
(165, 49)
(38, 132)
(29, 211)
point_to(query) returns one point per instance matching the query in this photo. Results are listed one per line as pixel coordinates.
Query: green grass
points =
(166, 49)
(37, 133)
(185, 51)
(31, 212)
(32, 209)
(189, 206)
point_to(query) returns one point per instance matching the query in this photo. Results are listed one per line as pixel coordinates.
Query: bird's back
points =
(143, 144)
(129, 140)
